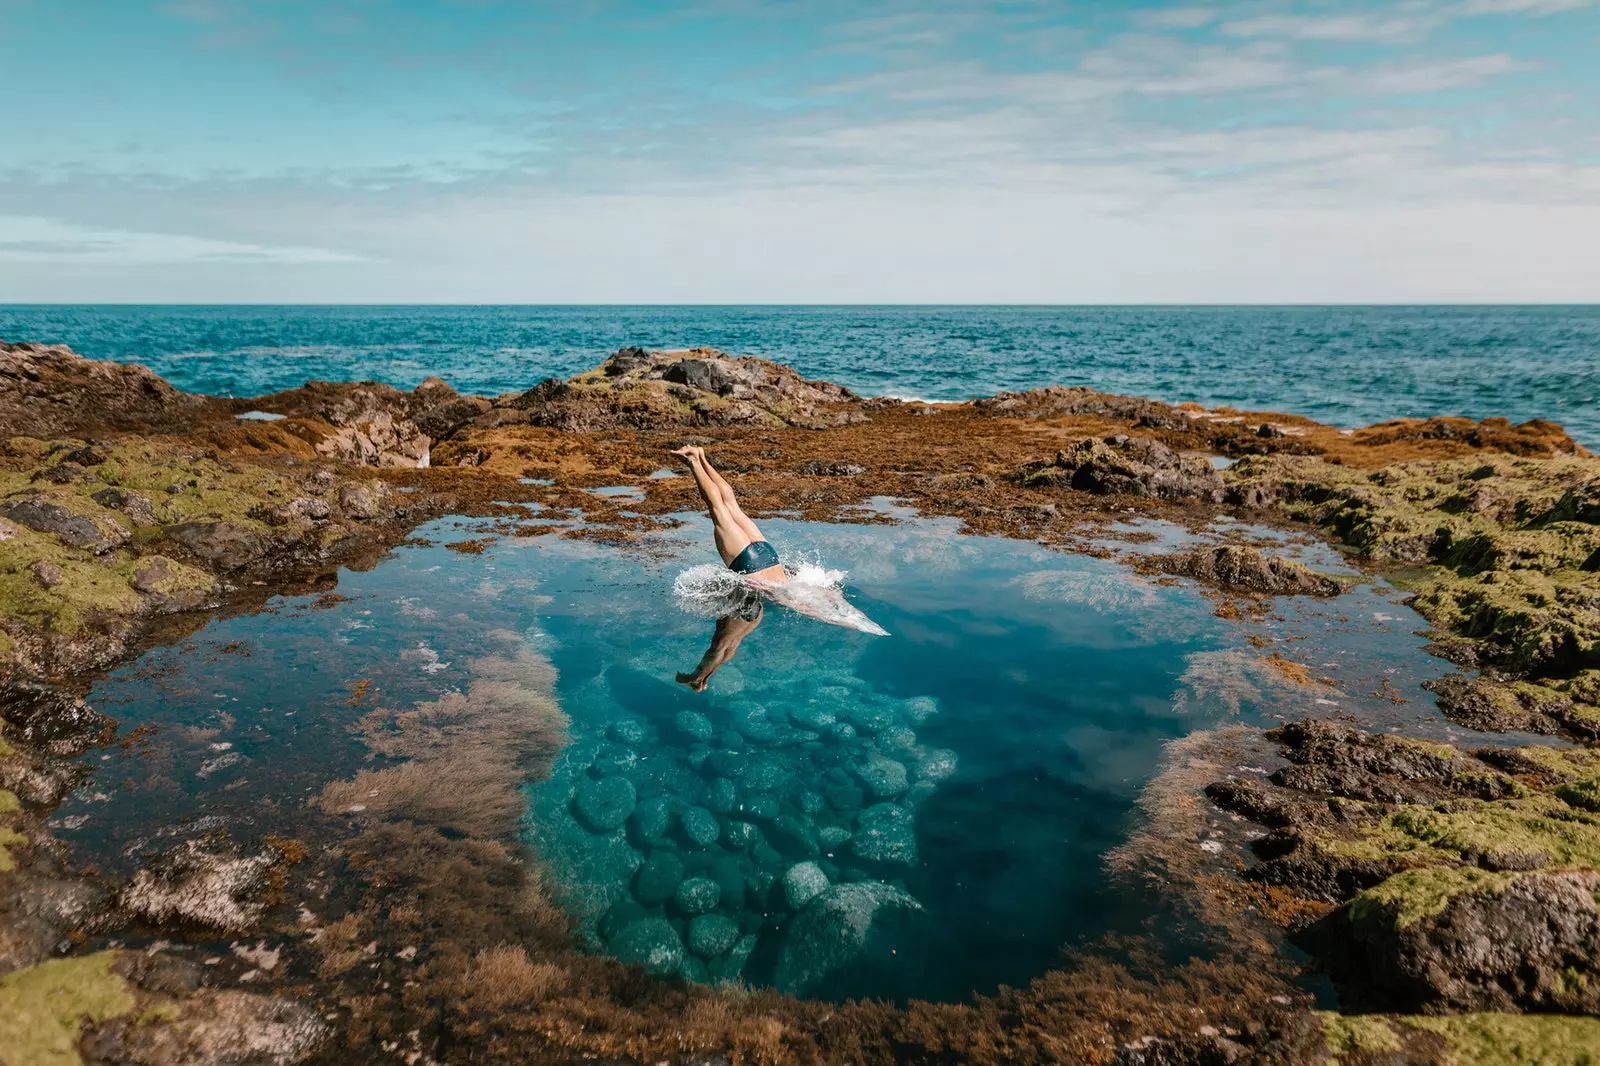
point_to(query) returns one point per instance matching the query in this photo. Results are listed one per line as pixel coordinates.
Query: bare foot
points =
(693, 681)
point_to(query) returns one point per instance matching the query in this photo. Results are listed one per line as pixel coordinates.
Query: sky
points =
(799, 151)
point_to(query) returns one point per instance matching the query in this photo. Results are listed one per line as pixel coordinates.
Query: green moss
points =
(1584, 794)
(43, 1008)
(1345, 1033)
(5, 748)
(1411, 896)
(1491, 549)
(1515, 1039)
(9, 804)
(9, 838)
(1563, 764)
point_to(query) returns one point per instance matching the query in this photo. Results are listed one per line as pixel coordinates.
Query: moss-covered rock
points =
(43, 1009)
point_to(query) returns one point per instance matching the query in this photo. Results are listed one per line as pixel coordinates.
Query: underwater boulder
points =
(657, 880)
(700, 827)
(651, 943)
(765, 773)
(694, 725)
(728, 872)
(919, 709)
(885, 833)
(740, 835)
(605, 804)
(790, 836)
(851, 939)
(650, 820)
(711, 935)
(697, 895)
(629, 731)
(882, 776)
(830, 837)
(719, 795)
(802, 883)
(897, 739)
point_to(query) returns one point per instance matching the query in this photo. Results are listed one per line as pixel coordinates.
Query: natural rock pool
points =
(925, 814)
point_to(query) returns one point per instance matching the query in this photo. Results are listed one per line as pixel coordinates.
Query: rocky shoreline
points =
(1449, 893)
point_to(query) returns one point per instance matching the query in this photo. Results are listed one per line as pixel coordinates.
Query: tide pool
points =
(837, 814)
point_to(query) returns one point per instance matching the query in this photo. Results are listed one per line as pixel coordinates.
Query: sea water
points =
(1344, 365)
(923, 814)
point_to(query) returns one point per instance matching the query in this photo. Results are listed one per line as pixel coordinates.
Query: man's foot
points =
(690, 452)
(693, 681)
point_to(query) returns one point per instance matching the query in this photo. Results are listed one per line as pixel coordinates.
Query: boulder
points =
(700, 827)
(605, 804)
(882, 776)
(885, 833)
(697, 895)
(650, 820)
(1237, 568)
(224, 545)
(50, 391)
(711, 935)
(802, 883)
(1464, 939)
(652, 944)
(1120, 465)
(694, 725)
(43, 515)
(656, 881)
(851, 939)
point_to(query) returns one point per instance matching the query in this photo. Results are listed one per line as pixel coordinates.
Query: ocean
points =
(1344, 365)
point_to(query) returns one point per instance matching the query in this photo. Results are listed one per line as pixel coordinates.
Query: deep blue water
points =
(1344, 365)
(1024, 700)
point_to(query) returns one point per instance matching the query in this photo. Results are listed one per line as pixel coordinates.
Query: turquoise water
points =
(954, 787)
(1344, 365)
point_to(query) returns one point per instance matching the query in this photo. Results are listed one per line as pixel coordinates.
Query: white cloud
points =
(36, 240)
(1351, 27)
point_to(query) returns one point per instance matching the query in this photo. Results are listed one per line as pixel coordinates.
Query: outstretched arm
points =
(724, 643)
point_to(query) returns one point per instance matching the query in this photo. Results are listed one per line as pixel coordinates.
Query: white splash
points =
(712, 591)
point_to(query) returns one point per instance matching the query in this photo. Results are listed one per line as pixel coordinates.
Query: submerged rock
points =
(700, 827)
(657, 880)
(201, 883)
(605, 804)
(711, 935)
(882, 776)
(650, 820)
(886, 833)
(694, 725)
(652, 944)
(697, 895)
(855, 936)
(802, 883)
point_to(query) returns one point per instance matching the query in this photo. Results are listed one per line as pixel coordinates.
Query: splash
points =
(711, 591)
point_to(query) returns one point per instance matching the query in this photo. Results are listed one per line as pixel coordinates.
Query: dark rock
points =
(54, 721)
(1236, 568)
(1501, 942)
(224, 545)
(358, 502)
(50, 392)
(136, 505)
(73, 530)
(831, 468)
(1129, 466)
(1483, 704)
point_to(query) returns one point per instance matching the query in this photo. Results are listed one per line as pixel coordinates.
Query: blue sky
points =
(732, 151)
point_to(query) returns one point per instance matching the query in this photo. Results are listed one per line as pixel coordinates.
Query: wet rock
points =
(719, 795)
(650, 820)
(711, 935)
(740, 835)
(1236, 568)
(697, 895)
(700, 827)
(1486, 705)
(694, 725)
(882, 776)
(657, 880)
(802, 883)
(358, 502)
(885, 833)
(832, 837)
(629, 731)
(850, 936)
(203, 883)
(74, 530)
(652, 944)
(791, 836)
(224, 545)
(1461, 939)
(136, 505)
(308, 508)
(56, 722)
(604, 805)
(1128, 466)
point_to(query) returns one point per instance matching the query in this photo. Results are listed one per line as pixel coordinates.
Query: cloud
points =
(42, 240)
(1351, 27)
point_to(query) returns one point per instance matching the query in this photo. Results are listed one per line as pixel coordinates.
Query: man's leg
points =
(735, 512)
(728, 532)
